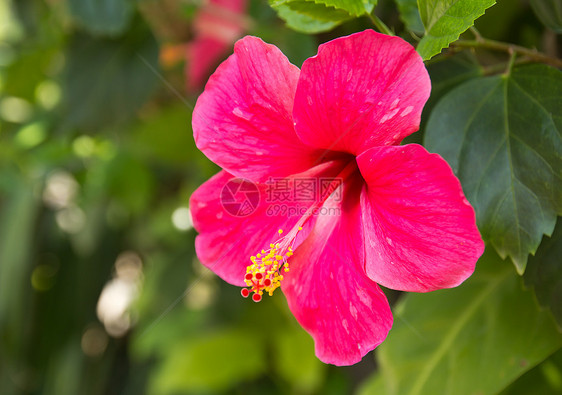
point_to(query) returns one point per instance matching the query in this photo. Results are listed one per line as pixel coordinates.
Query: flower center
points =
(265, 272)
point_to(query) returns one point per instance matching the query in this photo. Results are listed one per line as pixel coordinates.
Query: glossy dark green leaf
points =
(445, 20)
(410, 15)
(502, 136)
(549, 12)
(474, 339)
(445, 74)
(544, 273)
(448, 73)
(106, 17)
(107, 80)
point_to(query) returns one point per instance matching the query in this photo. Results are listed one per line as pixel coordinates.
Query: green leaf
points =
(449, 73)
(544, 273)
(549, 12)
(351, 7)
(410, 15)
(445, 75)
(502, 136)
(104, 17)
(313, 16)
(303, 23)
(445, 20)
(211, 362)
(107, 80)
(474, 339)
(318, 11)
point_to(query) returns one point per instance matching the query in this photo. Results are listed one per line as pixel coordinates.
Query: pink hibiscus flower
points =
(392, 214)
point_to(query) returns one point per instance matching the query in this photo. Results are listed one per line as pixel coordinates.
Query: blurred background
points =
(100, 289)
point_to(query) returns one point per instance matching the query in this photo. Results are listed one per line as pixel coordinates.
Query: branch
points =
(532, 54)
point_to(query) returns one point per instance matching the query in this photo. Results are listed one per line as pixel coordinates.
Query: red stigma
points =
(245, 292)
(258, 276)
(249, 276)
(256, 297)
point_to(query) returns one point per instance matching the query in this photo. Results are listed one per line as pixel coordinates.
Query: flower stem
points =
(532, 54)
(512, 56)
(380, 25)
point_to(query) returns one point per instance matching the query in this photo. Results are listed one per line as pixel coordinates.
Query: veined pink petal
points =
(360, 91)
(243, 120)
(241, 220)
(420, 231)
(328, 292)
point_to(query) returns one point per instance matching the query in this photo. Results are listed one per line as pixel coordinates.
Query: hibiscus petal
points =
(360, 91)
(243, 120)
(420, 231)
(236, 219)
(328, 292)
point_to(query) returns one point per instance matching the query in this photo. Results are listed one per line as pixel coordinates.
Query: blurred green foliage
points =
(100, 288)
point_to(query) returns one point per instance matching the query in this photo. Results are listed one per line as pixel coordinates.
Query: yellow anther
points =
(264, 272)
